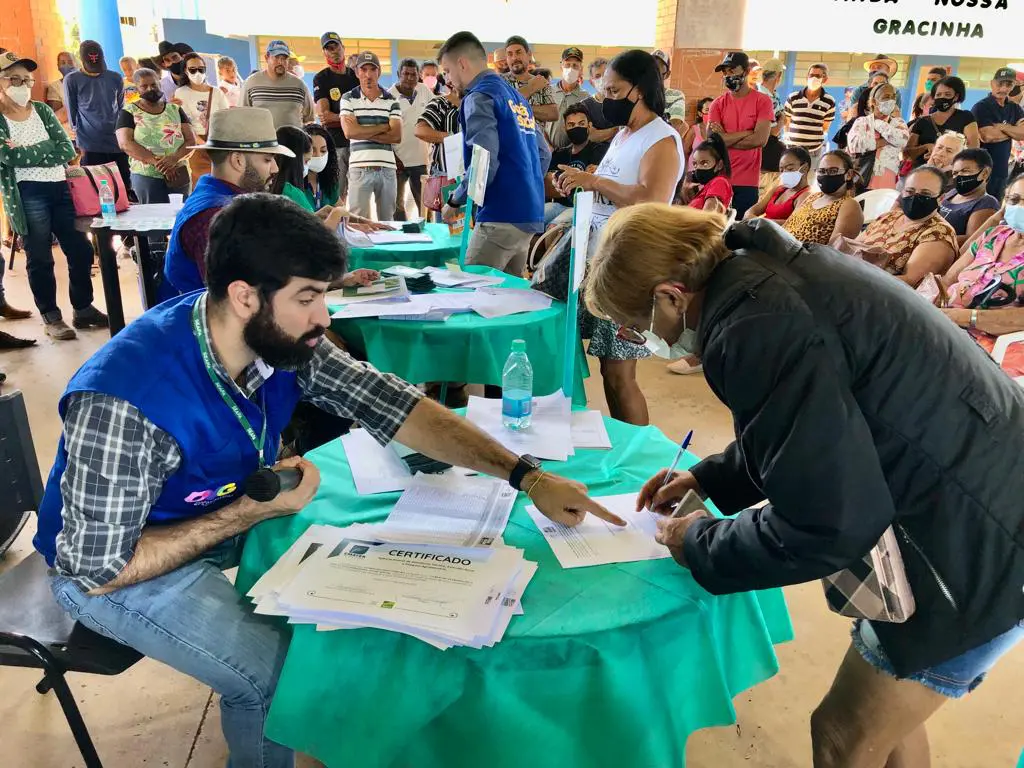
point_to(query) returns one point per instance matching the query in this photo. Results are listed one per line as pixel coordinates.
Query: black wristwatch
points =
(524, 466)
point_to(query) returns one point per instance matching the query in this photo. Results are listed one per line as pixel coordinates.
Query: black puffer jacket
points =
(863, 408)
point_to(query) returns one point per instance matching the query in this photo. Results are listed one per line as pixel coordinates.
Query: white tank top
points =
(622, 162)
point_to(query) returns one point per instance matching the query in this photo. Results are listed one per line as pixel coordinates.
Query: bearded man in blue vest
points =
(495, 116)
(143, 508)
(242, 144)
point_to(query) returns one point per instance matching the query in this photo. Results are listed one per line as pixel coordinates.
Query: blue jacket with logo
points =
(515, 179)
(155, 365)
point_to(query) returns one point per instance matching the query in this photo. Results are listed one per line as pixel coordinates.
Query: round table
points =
(609, 666)
(467, 347)
(443, 249)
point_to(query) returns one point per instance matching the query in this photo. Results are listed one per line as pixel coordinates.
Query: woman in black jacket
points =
(858, 407)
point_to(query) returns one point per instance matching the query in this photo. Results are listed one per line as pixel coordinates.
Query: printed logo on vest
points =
(523, 115)
(205, 498)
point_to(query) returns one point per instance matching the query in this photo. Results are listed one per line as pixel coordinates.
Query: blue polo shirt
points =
(988, 112)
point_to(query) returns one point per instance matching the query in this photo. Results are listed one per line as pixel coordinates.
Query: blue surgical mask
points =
(1014, 216)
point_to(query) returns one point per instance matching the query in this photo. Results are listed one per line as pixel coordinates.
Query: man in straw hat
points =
(146, 505)
(242, 145)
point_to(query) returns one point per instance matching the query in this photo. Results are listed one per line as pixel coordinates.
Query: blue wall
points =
(194, 33)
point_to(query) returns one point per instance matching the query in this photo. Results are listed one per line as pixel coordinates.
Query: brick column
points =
(34, 29)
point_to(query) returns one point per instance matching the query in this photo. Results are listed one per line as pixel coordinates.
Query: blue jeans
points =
(193, 620)
(381, 183)
(742, 199)
(49, 212)
(553, 211)
(954, 678)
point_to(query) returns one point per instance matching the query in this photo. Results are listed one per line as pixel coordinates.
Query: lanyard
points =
(204, 348)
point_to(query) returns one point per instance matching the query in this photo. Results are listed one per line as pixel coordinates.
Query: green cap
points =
(519, 345)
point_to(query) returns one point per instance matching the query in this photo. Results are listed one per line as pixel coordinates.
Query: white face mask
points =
(599, 84)
(790, 179)
(197, 78)
(570, 75)
(684, 345)
(20, 95)
(316, 164)
(887, 107)
(814, 83)
(430, 81)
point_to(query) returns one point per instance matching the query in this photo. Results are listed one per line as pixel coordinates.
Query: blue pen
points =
(682, 449)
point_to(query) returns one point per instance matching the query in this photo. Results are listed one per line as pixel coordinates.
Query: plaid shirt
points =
(118, 460)
(544, 96)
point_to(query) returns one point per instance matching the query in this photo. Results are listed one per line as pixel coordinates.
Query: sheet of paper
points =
(391, 238)
(378, 468)
(584, 213)
(595, 542)
(502, 302)
(355, 238)
(453, 158)
(451, 511)
(400, 270)
(588, 430)
(479, 163)
(550, 432)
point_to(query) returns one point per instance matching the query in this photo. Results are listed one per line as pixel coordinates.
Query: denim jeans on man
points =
(193, 620)
(379, 182)
(50, 212)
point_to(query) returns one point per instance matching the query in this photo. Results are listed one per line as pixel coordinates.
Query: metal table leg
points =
(147, 272)
(108, 273)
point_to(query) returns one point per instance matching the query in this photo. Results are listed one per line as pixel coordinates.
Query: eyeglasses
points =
(633, 335)
(17, 82)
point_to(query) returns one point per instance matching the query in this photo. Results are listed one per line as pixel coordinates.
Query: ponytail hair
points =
(715, 144)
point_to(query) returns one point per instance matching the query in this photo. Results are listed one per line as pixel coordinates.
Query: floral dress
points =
(161, 134)
(863, 138)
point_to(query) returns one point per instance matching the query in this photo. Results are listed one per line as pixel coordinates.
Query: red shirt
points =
(718, 188)
(742, 114)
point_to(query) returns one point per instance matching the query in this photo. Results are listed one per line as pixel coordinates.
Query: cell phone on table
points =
(691, 502)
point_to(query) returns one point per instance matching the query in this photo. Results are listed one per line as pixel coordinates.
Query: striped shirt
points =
(379, 111)
(287, 98)
(807, 119)
(440, 115)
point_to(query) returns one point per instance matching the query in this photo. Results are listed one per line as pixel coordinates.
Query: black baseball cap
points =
(734, 59)
(330, 37)
(572, 52)
(1005, 73)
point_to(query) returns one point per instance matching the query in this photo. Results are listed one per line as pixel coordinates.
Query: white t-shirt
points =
(25, 133)
(412, 151)
(231, 92)
(199, 105)
(621, 162)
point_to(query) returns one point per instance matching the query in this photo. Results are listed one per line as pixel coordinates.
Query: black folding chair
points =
(34, 630)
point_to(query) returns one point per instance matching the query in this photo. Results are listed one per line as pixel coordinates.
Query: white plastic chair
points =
(876, 202)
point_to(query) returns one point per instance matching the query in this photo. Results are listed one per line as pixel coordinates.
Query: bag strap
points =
(97, 173)
(780, 268)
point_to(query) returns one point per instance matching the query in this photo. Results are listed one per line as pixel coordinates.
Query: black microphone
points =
(265, 484)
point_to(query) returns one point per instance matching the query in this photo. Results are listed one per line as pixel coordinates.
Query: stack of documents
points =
(486, 302)
(595, 542)
(555, 430)
(387, 288)
(449, 279)
(460, 588)
(358, 239)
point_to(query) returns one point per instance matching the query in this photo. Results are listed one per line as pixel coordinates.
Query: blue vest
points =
(181, 275)
(156, 366)
(516, 195)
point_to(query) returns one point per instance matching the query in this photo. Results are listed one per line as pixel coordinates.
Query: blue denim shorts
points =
(954, 678)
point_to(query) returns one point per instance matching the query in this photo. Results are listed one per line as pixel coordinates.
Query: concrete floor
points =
(153, 716)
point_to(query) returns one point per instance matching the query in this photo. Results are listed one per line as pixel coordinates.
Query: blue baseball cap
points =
(278, 48)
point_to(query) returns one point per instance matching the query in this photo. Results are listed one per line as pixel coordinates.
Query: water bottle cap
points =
(519, 345)
(103, 182)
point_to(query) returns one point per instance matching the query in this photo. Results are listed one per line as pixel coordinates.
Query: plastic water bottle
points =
(517, 389)
(107, 209)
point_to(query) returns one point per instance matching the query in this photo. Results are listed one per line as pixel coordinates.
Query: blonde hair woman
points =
(838, 379)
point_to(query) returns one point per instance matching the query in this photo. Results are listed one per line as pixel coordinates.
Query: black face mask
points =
(177, 68)
(831, 184)
(151, 96)
(578, 135)
(917, 207)
(734, 82)
(703, 175)
(967, 184)
(943, 105)
(618, 111)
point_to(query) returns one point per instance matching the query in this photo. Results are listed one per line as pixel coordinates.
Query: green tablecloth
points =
(467, 347)
(610, 666)
(445, 248)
